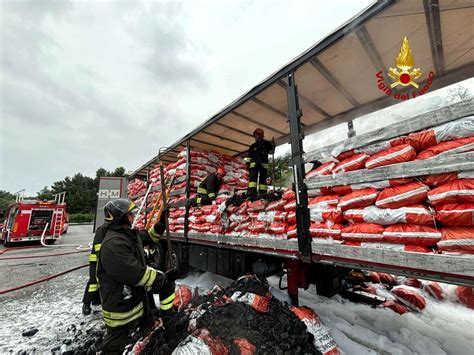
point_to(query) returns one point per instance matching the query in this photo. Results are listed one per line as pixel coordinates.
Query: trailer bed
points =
(455, 269)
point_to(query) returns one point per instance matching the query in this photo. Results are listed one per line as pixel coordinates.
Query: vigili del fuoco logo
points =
(405, 74)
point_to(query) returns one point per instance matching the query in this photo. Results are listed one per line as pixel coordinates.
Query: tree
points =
(458, 93)
(280, 167)
(45, 194)
(5, 199)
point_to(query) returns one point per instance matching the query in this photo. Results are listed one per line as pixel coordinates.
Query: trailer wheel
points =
(175, 261)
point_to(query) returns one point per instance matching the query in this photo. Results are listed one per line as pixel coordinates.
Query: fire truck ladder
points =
(58, 214)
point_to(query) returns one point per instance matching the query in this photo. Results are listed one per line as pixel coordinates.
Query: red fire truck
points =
(26, 221)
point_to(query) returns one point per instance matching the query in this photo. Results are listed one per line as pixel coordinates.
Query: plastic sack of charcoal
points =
(201, 342)
(259, 303)
(461, 128)
(244, 347)
(450, 147)
(272, 217)
(323, 341)
(410, 297)
(183, 296)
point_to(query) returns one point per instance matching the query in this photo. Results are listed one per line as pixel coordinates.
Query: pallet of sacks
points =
(205, 219)
(422, 214)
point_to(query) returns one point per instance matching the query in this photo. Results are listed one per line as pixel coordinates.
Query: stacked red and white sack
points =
(419, 214)
(202, 163)
(260, 218)
(206, 219)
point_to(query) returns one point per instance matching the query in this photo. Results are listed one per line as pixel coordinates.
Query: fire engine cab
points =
(25, 220)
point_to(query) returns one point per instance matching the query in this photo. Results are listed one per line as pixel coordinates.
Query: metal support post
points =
(185, 248)
(296, 278)
(146, 202)
(297, 162)
(350, 129)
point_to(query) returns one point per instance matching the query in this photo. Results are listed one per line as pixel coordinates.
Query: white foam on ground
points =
(442, 328)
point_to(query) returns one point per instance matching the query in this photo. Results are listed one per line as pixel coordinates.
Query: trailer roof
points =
(336, 77)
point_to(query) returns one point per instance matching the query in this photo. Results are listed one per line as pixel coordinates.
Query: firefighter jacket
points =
(258, 154)
(209, 186)
(93, 286)
(124, 278)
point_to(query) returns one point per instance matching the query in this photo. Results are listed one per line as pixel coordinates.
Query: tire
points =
(51, 241)
(175, 258)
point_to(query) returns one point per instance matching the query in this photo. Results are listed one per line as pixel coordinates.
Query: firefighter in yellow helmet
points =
(125, 281)
(257, 163)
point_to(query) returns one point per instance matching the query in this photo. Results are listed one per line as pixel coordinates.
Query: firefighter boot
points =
(86, 309)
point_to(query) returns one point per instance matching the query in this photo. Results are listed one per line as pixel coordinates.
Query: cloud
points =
(86, 84)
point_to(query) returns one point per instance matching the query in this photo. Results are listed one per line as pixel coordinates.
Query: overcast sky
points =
(89, 84)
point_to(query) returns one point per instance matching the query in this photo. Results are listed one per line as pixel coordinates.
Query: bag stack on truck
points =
(202, 163)
(421, 214)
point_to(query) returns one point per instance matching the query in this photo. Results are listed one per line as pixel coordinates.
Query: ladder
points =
(159, 207)
(58, 215)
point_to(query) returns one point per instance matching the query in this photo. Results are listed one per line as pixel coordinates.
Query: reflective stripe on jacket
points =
(124, 277)
(258, 154)
(209, 186)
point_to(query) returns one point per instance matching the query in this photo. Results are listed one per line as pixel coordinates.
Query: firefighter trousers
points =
(256, 182)
(91, 295)
(116, 339)
(201, 200)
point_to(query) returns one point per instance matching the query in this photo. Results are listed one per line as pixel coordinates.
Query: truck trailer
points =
(348, 74)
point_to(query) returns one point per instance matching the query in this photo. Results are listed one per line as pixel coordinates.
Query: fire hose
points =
(78, 246)
(42, 255)
(15, 248)
(43, 279)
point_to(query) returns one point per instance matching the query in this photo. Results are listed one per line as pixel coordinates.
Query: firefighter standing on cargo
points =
(257, 163)
(125, 281)
(91, 293)
(208, 187)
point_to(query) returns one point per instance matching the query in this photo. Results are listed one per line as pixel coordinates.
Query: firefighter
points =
(91, 293)
(257, 163)
(208, 187)
(125, 281)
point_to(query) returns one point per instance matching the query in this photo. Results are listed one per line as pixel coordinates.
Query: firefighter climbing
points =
(257, 163)
(208, 187)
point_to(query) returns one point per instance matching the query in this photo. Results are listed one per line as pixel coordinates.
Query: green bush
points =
(81, 217)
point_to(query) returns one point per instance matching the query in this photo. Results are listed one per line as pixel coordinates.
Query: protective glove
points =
(172, 275)
(164, 214)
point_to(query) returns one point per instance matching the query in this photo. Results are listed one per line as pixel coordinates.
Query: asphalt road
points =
(53, 307)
